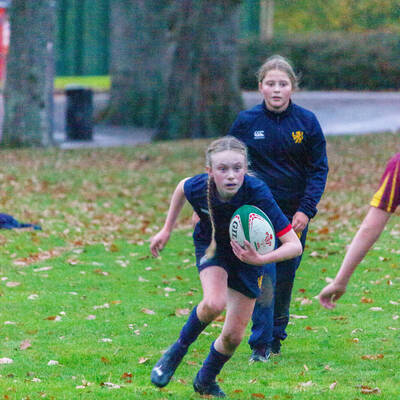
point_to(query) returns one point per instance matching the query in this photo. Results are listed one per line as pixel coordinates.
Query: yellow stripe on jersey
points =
(392, 192)
(378, 195)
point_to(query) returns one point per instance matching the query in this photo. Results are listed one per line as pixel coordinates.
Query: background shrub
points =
(329, 61)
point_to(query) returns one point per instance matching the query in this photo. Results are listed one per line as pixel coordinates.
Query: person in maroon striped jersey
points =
(383, 205)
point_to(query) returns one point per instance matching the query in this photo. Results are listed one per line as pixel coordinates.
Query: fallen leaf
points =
(42, 269)
(53, 362)
(179, 312)
(25, 345)
(54, 318)
(110, 385)
(6, 360)
(143, 360)
(366, 300)
(105, 360)
(258, 395)
(372, 356)
(294, 316)
(332, 385)
(368, 390)
(101, 272)
(13, 284)
(147, 311)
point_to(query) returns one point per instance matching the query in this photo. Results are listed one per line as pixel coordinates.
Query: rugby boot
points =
(210, 389)
(167, 365)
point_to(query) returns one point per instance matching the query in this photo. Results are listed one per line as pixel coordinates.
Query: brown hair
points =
(280, 63)
(223, 144)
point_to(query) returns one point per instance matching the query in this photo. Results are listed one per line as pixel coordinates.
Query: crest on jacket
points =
(298, 136)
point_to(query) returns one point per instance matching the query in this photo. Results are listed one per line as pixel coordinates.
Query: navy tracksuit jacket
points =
(287, 151)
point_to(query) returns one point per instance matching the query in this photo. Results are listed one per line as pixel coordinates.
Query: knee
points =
(211, 308)
(232, 340)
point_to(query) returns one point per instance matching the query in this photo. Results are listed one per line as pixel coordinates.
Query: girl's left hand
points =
(299, 221)
(247, 253)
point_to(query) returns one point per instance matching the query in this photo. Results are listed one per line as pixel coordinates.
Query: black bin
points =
(79, 115)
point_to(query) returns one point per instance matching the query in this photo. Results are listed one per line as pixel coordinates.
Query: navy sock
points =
(191, 330)
(212, 366)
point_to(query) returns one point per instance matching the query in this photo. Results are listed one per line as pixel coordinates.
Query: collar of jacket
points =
(278, 115)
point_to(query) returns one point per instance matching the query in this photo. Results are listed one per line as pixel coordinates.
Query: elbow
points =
(299, 249)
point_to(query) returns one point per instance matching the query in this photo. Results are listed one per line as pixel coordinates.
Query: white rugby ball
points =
(250, 223)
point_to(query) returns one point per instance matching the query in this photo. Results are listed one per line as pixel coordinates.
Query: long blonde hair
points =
(222, 144)
(277, 62)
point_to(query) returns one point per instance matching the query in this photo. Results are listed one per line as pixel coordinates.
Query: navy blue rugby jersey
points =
(253, 191)
(287, 151)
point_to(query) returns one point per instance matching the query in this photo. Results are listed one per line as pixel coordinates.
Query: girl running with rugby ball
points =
(230, 275)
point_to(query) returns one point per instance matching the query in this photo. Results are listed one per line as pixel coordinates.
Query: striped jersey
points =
(387, 197)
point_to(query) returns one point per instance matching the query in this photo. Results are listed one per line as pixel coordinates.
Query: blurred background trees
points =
(28, 92)
(202, 89)
(179, 65)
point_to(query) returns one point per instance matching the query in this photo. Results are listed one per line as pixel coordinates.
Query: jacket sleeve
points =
(316, 171)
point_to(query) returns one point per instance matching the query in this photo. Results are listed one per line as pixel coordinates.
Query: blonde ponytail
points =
(210, 252)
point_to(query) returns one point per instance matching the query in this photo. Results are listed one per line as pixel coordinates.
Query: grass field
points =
(85, 311)
(97, 83)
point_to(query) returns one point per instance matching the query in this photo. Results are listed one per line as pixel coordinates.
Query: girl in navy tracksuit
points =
(287, 150)
(230, 275)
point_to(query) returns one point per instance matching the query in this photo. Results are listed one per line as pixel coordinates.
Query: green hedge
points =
(330, 61)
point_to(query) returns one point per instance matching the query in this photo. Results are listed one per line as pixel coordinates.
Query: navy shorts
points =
(245, 278)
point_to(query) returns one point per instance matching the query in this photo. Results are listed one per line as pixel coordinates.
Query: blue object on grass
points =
(9, 222)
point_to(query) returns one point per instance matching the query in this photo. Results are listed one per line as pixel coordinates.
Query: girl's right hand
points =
(330, 294)
(158, 242)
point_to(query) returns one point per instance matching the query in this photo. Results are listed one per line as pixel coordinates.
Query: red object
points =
(4, 42)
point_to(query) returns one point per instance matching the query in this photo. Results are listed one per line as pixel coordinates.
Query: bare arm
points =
(177, 202)
(290, 248)
(366, 236)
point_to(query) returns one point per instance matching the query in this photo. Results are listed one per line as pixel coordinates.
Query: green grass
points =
(97, 83)
(99, 207)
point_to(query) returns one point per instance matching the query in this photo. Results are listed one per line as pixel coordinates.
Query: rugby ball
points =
(250, 223)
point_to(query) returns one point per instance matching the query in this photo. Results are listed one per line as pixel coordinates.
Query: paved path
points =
(338, 113)
(348, 112)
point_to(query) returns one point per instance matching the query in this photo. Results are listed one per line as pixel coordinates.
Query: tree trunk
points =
(203, 95)
(138, 51)
(266, 19)
(28, 93)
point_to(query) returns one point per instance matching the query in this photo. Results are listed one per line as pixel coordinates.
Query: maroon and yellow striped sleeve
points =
(387, 197)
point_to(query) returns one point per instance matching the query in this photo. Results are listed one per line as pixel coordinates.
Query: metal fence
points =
(83, 34)
(82, 42)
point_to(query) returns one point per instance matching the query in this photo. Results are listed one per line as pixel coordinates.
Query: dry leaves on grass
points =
(36, 257)
(372, 356)
(368, 390)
